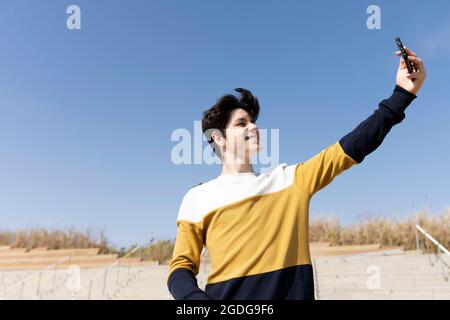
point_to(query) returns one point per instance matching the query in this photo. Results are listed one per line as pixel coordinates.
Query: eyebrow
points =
(240, 119)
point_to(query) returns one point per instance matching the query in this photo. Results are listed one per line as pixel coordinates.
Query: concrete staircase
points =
(354, 272)
(151, 285)
(396, 275)
(143, 281)
(54, 274)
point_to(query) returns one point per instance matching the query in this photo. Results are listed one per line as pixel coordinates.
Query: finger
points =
(410, 52)
(413, 75)
(414, 58)
(417, 62)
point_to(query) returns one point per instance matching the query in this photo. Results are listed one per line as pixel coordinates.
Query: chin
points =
(254, 148)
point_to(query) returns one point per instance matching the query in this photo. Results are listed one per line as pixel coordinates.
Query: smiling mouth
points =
(252, 136)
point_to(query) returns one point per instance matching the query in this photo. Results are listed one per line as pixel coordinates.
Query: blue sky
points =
(86, 115)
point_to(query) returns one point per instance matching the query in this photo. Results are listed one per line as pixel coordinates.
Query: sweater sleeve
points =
(185, 263)
(369, 134)
(351, 149)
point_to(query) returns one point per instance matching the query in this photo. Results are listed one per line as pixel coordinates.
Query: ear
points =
(218, 138)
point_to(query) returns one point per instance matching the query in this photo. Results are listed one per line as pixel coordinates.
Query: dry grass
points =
(56, 239)
(160, 251)
(369, 230)
(383, 231)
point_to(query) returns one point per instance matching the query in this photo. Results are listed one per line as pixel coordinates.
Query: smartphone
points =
(408, 63)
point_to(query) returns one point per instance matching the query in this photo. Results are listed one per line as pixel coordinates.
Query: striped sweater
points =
(255, 226)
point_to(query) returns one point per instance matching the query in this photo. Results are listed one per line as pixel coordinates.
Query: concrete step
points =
(43, 253)
(63, 292)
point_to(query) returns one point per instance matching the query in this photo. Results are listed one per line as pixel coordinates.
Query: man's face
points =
(242, 136)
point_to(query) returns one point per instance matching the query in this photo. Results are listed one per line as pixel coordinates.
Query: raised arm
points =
(371, 132)
(351, 149)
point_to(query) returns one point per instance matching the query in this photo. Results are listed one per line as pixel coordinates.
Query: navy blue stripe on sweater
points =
(292, 283)
(369, 134)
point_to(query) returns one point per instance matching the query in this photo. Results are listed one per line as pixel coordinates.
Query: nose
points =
(252, 127)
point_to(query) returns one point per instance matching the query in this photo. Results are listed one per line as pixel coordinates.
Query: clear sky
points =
(86, 115)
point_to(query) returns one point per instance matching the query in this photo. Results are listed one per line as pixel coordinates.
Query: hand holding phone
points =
(411, 72)
(404, 54)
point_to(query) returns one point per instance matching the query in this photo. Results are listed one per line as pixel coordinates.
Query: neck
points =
(233, 167)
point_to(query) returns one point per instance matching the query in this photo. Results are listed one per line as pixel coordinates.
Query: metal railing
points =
(204, 269)
(103, 276)
(316, 280)
(38, 275)
(439, 254)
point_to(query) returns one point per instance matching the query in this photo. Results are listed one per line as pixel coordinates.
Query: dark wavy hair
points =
(217, 117)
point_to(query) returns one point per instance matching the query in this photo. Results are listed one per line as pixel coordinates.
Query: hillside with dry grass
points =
(382, 230)
(56, 239)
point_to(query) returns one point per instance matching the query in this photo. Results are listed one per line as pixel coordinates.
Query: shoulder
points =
(198, 190)
(275, 179)
(191, 200)
(282, 172)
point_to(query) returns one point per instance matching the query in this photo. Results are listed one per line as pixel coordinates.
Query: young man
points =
(255, 226)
